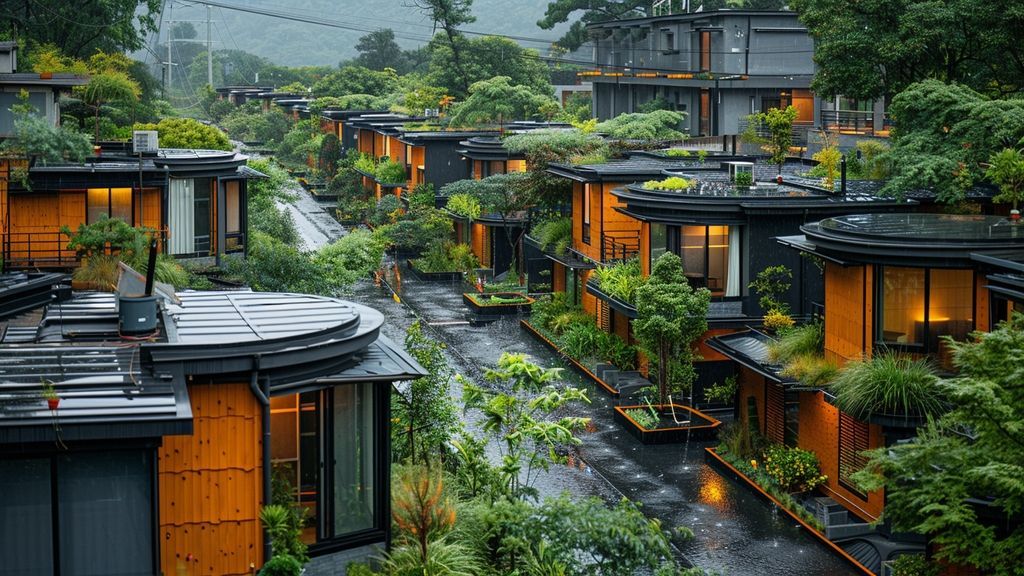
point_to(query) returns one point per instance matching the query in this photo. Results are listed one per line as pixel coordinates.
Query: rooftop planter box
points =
(697, 426)
(625, 308)
(451, 277)
(497, 303)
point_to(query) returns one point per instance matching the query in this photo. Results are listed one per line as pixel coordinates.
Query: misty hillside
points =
(298, 43)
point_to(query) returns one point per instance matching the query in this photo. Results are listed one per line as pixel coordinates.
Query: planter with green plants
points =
(444, 262)
(617, 285)
(665, 423)
(50, 395)
(497, 303)
(890, 389)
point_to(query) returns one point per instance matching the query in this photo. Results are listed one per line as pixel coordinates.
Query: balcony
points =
(619, 245)
(853, 122)
(47, 249)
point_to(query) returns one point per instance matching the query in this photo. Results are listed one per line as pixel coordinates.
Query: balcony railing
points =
(853, 122)
(45, 249)
(619, 245)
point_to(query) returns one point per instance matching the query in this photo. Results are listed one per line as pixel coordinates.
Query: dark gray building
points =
(716, 66)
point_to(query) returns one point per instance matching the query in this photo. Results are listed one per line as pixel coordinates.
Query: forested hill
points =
(297, 43)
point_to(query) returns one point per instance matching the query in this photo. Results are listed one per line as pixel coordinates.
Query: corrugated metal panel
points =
(775, 418)
(210, 486)
(181, 216)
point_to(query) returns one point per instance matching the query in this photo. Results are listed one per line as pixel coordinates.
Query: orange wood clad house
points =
(898, 282)
(721, 233)
(283, 399)
(194, 200)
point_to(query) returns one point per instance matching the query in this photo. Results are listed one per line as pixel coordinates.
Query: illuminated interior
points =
(710, 254)
(919, 305)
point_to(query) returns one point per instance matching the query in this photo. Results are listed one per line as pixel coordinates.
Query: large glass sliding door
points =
(326, 459)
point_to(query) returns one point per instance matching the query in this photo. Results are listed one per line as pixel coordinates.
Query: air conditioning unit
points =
(431, 112)
(145, 141)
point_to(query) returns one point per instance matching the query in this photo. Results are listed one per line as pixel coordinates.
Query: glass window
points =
(324, 457)
(104, 520)
(586, 213)
(693, 251)
(106, 514)
(919, 306)
(902, 305)
(26, 525)
(121, 203)
(111, 202)
(711, 257)
(659, 242)
(354, 459)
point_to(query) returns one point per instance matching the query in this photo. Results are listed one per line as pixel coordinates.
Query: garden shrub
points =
(188, 133)
(554, 235)
(671, 183)
(582, 340)
(387, 210)
(889, 383)
(793, 469)
(621, 280)
(390, 172)
(652, 126)
(464, 205)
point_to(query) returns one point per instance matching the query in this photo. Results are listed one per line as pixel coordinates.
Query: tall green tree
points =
(1006, 170)
(81, 28)
(448, 15)
(484, 58)
(670, 317)
(587, 12)
(876, 48)
(961, 481)
(106, 88)
(378, 50)
(357, 80)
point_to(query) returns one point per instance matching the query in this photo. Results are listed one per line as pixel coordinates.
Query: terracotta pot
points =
(53, 403)
(45, 75)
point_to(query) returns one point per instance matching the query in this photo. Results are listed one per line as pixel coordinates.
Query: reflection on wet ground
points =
(735, 532)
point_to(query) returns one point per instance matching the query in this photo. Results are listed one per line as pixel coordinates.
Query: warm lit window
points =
(711, 258)
(325, 459)
(111, 202)
(919, 306)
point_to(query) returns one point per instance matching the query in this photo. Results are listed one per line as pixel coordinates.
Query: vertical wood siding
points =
(210, 486)
(848, 312)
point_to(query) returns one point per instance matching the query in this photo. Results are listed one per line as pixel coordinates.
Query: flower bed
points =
(665, 430)
(730, 466)
(497, 303)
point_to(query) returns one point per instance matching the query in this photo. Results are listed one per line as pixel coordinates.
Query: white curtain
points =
(181, 218)
(732, 279)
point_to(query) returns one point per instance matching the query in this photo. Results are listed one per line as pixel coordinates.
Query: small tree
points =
(35, 136)
(425, 414)
(518, 409)
(670, 316)
(771, 284)
(421, 510)
(1006, 170)
(330, 153)
(108, 87)
(778, 123)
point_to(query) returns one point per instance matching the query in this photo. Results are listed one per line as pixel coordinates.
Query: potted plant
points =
(50, 394)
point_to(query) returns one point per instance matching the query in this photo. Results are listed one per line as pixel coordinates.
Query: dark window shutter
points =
(853, 441)
(775, 413)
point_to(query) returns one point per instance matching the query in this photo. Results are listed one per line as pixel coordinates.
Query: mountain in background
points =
(298, 44)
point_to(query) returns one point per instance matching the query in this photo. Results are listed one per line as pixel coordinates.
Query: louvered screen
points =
(775, 413)
(605, 315)
(853, 441)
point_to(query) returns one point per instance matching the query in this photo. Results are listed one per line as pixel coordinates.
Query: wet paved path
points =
(735, 532)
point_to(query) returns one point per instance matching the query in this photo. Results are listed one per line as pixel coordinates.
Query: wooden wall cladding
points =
(848, 312)
(210, 486)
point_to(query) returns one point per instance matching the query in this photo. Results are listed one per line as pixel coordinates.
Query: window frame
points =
(51, 458)
(587, 205)
(327, 541)
(924, 346)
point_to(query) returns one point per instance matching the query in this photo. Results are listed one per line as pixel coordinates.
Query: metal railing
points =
(619, 245)
(853, 121)
(800, 131)
(46, 248)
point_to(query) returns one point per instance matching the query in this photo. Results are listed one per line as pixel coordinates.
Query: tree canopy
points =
(965, 469)
(79, 29)
(188, 133)
(357, 80)
(945, 135)
(874, 48)
(561, 11)
(670, 316)
(484, 58)
(497, 100)
(650, 126)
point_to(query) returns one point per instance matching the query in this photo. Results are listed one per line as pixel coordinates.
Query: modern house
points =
(718, 67)
(155, 452)
(43, 89)
(893, 282)
(195, 199)
(721, 232)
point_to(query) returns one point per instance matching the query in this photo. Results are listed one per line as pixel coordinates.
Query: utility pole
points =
(209, 49)
(170, 64)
